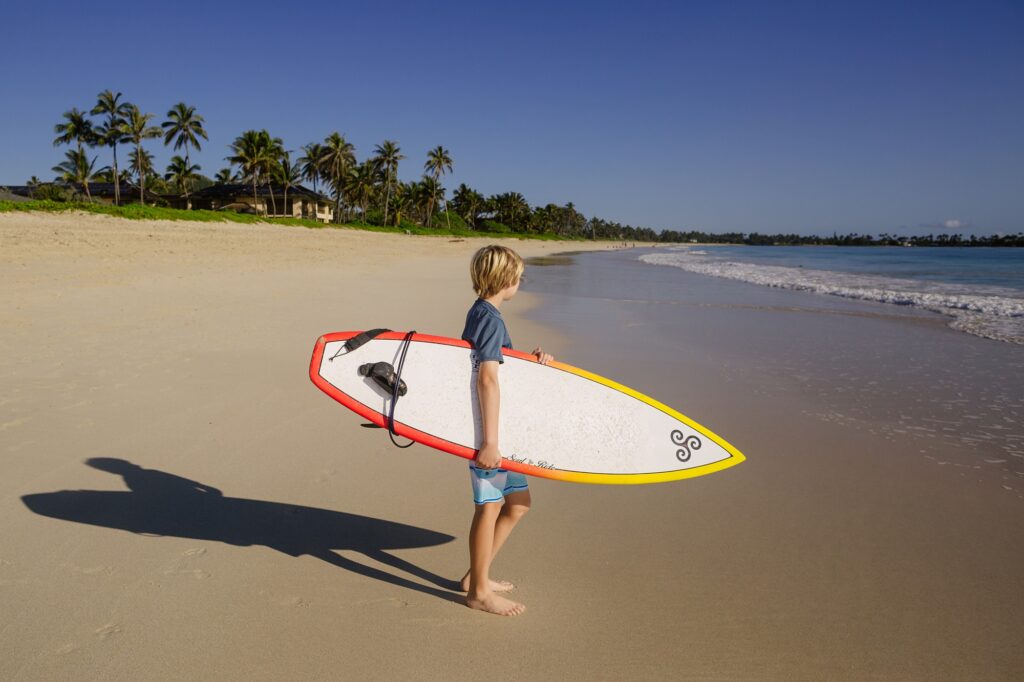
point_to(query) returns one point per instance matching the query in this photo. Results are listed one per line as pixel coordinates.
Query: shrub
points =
(441, 222)
(52, 192)
(495, 226)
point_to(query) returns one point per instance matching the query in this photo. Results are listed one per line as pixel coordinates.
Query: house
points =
(7, 193)
(269, 201)
(99, 191)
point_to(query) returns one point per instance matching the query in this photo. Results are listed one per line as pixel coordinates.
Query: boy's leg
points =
(481, 550)
(481, 543)
(515, 507)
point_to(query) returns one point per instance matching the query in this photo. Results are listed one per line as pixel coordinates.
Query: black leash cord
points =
(358, 340)
(394, 392)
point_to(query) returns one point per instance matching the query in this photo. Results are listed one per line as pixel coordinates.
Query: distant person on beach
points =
(501, 497)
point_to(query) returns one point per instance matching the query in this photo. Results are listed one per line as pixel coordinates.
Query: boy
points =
(501, 497)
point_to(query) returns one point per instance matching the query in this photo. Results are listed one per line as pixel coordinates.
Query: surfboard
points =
(557, 421)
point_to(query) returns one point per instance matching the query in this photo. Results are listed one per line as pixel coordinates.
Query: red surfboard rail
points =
(401, 428)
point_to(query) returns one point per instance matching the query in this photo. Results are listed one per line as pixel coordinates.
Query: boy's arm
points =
(489, 393)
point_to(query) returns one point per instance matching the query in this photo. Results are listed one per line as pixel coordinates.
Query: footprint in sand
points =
(386, 601)
(14, 422)
(324, 476)
(294, 602)
(196, 573)
(191, 553)
(289, 600)
(109, 630)
(67, 648)
(99, 569)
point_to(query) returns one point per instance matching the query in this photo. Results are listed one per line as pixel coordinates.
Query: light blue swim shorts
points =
(491, 485)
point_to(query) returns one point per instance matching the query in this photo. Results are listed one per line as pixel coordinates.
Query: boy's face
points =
(511, 290)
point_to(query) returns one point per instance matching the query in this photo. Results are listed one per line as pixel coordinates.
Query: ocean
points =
(981, 290)
(748, 339)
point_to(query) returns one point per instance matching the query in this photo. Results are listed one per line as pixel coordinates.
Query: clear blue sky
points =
(745, 116)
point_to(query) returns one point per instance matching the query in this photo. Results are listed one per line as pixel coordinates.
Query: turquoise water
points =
(988, 267)
(980, 289)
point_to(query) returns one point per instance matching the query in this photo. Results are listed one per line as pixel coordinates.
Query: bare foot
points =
(493, 586)
(492, 603)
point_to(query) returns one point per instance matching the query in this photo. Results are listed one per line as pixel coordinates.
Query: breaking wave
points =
(989, 312)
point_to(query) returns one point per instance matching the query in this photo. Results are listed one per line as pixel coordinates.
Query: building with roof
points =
(269, 200)
(98, 191)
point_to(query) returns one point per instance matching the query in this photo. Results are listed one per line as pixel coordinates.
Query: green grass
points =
(139, 212)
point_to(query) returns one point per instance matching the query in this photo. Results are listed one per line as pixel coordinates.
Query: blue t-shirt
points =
(485, 330)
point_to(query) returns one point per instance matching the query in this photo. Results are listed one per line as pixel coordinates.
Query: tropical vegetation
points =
(366, 193)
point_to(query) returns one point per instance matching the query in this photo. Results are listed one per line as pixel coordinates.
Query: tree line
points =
(368, 191)
(852, 239)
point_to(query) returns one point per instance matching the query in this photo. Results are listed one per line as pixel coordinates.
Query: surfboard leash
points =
(396, 391)
(358, 340)
(382, 373)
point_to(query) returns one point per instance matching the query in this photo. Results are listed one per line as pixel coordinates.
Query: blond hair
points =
(495, 268)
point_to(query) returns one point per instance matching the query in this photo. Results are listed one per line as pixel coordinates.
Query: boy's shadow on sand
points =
(164, 504)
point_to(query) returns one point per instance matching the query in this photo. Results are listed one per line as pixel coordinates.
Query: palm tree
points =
(338, 158)
(143, 162)
(287, 174)
(225, 176)
(570, 220)
(75, 128)
(76, 168)
(468, 203)
(180, 173)
(388, 155)
(251, 153)
(439, 161)
(256, 153)
(274, 150)
(510, 208)
(402, 201)
(184, 127)
(361, 185)
(425, 196)
(137, 129)
(312, 164)
(111, 131)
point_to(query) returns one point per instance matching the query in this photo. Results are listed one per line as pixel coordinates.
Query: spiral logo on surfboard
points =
(686, 444)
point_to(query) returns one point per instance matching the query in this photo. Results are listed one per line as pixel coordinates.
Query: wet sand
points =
(179, 500)
(853, 543)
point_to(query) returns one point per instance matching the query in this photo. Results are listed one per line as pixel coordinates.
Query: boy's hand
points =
(488, 457)
(542, 357)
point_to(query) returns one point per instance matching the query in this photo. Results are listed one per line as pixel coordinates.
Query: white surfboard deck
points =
(556, 421)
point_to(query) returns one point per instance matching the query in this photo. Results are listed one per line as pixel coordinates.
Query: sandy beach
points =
(178, 500)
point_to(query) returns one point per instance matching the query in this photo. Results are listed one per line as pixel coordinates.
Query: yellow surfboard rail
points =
(735, 456)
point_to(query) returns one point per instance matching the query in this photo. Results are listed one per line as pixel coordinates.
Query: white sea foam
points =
(991, 312)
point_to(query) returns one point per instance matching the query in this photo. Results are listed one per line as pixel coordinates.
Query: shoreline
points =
(931, 357)
(855, 534)
(984, 298)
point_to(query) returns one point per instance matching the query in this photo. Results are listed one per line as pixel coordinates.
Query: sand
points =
(178, 500)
